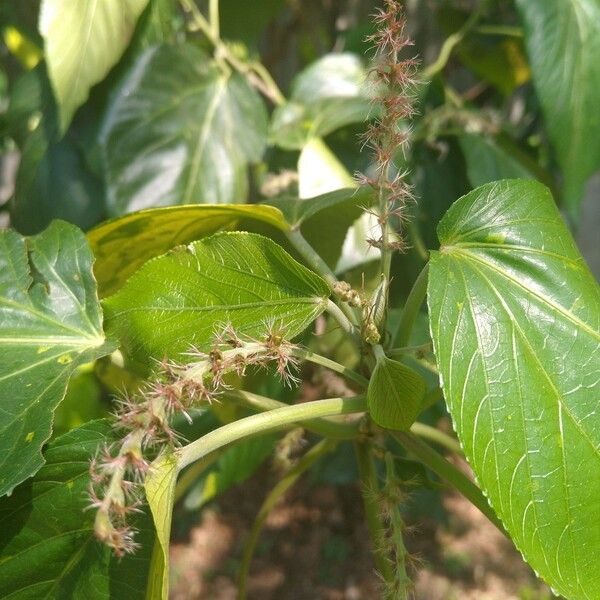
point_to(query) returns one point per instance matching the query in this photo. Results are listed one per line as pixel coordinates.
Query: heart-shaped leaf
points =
(50, 323)
(84, 40)
(48, 548)
(563, 42)
(515, 320)
(395, 394)
(175, 301)
(181, 131)
(122, 245)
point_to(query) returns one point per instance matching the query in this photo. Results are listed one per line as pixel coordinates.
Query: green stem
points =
(343, 321)
(332, 365)
(401, 579)
(312, 257)
(411, 308)
(255, 73)
(370, 492)
(309, 459)
(266, 422)
(213, 11)
(416, 238)
(435, 435)
(448, 46)
(449, 473)
(506, 30)
(323, 426)
(400, 352)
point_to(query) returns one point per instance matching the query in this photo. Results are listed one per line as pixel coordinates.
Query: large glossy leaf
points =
(515, 320)
(181, 131)
(48, 548)
(122, 245)
(50, 323)
(84, 40)
(563, 42)
(175, 301)
(330, 93)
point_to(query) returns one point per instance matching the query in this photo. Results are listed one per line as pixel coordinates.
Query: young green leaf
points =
(122, 245)
(181, 131)
(48, 548)
(175, 301)
(50, 323)
(395, 394)
(515, 321)
(563, 43)
(84, 40)
(329, 94)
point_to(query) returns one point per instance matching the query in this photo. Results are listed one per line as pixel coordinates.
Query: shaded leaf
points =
(175, 301)
(515, 320)
(182, 130)
(330, 93)
(395, 395)
(83, 41)
(122, 245)
(563, 43)
(50, 323)
(48, 548)
(487, 161)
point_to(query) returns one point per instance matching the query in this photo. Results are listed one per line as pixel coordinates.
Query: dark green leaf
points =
(83, 41)
(122, 245)
(563, 42)
(175, 301)
(50, 323)
(330, 93)
(487, 161)
(395, 394)
(515, 320)
(182, 130)
(48, 548)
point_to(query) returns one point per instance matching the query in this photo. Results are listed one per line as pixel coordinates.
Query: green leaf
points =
(329, 94)
(487, 161)
(84, 40)
(48, 548)
(182, 130)
(515, 316)
(395, 394)
(175, 301)
(122, 245)
(563, 43)
(160, 493)
(50, 323)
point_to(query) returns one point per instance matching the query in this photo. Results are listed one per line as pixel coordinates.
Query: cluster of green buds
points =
(118, 471)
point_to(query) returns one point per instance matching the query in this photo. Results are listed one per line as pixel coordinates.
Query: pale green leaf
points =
(50, 323)
(48, 548)
(83, 41)
(515, 321)
(563, 43)
(160, 494)
(182, 130)
(122, 245)
(395, 395)
(329, 94)
(175, 301)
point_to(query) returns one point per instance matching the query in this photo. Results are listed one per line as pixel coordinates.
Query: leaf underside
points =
(515, 318)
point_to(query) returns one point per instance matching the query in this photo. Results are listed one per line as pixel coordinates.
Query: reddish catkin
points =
(118, 471)
(387, 135)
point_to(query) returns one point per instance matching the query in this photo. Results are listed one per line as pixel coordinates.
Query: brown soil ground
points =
(315, 547)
